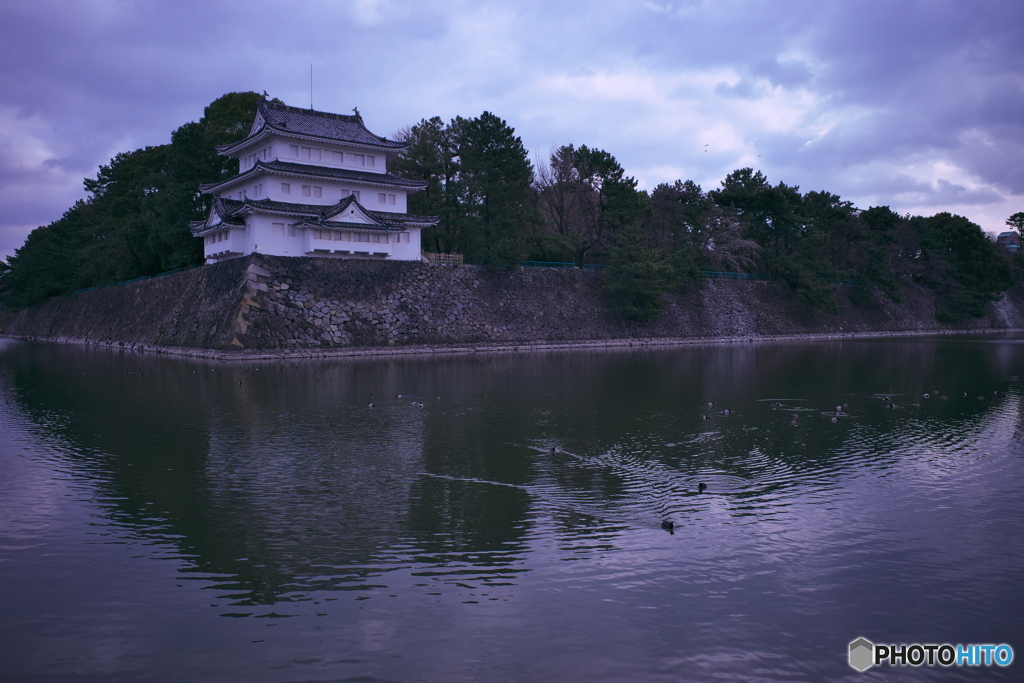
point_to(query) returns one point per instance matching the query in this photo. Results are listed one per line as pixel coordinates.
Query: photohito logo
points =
(864, 654)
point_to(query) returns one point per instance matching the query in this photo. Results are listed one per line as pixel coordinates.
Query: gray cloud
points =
(872, 100)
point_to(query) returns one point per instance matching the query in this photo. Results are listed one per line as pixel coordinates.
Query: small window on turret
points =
(286, 188)
(370, 161)
(294, 149)
(358, 159)
(318, 191)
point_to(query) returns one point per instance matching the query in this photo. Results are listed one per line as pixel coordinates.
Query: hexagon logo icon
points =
(862, 654)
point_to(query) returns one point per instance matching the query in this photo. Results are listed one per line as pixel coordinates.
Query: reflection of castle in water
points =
(281, 480)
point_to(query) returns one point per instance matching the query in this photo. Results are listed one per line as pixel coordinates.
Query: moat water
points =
(500, 518)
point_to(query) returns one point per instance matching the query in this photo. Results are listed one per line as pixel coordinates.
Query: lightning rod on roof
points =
(311, 87)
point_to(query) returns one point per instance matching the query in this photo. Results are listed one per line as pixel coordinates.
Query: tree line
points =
(496, 209)
(579, 206)
(134, 222)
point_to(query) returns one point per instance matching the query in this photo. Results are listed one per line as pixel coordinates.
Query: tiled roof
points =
(221, 208)
(320, 124)
(311, 171)
(320, 213)
(402, 217)
(341, 173)
(344, 225)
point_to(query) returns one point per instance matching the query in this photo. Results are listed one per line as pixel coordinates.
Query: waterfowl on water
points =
(726, 412)
(705, 417)
(711, 404)
(701, 486)
(669, 526)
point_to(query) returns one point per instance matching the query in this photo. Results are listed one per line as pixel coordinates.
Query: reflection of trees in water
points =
(266, 477)
(282, 481)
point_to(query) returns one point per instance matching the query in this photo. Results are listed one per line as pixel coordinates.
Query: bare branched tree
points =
(584, 199)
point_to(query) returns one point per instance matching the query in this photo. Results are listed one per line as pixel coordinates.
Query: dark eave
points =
(310, 171)
(344, 225)
(317, 125)
(313, 215)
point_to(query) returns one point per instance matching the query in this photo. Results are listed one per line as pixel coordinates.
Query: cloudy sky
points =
(914, 104)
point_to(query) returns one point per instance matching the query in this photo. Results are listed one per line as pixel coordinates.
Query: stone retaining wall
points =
(295, 304)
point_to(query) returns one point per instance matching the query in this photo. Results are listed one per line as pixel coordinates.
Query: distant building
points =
(306, 183)
(1009, 241)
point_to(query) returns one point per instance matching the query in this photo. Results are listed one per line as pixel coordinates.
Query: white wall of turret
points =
(314, 153)
(281, 235)
(269, 234)
(319, 192)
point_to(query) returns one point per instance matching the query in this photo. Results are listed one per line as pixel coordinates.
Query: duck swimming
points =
(701, 486)
(669, 526)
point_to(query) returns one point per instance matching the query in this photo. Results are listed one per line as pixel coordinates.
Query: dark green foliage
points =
(1016, 223)
(432, 158)
(494, 190)
(963, 266)
(860, 297)
(478, 179)
(585, 199)
(637, 278)
(697, 234)
(135, 222)
(876, 238)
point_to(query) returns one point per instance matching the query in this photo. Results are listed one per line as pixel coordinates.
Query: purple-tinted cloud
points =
(914, 104)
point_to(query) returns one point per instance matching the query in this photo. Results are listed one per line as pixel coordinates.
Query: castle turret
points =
(311, 183)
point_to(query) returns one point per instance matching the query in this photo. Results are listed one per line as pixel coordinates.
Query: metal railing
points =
(562, 264)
